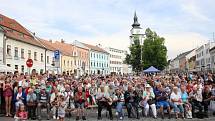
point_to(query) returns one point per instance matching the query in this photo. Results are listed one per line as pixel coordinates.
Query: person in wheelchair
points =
(131, 101)
(119, 102)
(43, 102)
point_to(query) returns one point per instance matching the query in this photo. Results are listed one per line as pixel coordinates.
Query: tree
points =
(154, 51)
(134, 58)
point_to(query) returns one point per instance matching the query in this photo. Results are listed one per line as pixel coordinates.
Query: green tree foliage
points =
(154, 52)
(134, 58)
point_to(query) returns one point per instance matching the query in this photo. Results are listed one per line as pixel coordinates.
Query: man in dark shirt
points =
(207, 96)
(43, 101)
(131, 101)
(162, 99)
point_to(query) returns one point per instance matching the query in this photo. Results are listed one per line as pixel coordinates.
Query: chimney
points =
(50, 40)
(34, 33)
(62, 41)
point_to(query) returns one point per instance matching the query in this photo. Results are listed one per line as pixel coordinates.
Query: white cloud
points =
(178, 43)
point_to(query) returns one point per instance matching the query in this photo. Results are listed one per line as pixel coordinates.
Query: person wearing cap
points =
(149, 99)
(119, 101)
(31, 103)
(43, 101)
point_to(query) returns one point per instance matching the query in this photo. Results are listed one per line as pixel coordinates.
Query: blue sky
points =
(184, 23)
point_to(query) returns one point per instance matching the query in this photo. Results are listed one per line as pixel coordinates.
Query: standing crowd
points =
(25, 96)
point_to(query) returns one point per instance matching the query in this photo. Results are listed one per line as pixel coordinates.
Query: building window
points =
(68, 63)
(22, 68)
(64, 62)
(71, 63)
(22, 53)
(8, 50)
(16, 52)
(91, 63)
(48, 59)
(29, 53)
(35, 56)
(16, 67)
(8, 65)
(75, 62)
(41, 57)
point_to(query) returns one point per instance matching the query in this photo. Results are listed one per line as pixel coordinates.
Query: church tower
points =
(136, 30)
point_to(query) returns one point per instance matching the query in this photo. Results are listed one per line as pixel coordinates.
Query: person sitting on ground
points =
(21, 114)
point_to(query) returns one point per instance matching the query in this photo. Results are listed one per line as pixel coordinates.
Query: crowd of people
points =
(25, 96)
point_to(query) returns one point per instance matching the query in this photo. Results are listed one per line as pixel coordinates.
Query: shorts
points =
(163, 104)
(79, 105)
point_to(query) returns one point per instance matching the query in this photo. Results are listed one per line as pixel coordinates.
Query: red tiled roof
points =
(64, 48)
(13, 24)
(48, 45)
(96, 48)
(26, 39)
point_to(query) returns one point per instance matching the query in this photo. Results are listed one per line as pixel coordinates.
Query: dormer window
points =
(1, 19)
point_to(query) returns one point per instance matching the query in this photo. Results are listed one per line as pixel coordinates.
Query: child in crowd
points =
(62, 108)
(21, 114)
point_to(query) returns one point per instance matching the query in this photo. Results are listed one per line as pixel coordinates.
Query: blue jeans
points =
(119, 108)
(177, 108)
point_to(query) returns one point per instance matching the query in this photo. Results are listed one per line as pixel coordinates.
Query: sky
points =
(185, 24)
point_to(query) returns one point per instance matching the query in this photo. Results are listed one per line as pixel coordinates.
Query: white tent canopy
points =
(4, 68)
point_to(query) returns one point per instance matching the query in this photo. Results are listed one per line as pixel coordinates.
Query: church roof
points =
(136, 23)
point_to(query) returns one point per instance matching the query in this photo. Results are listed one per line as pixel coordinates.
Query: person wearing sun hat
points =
(149, 99)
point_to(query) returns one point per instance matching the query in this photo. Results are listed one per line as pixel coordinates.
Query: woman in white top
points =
(119, 101)
(149, 101)
(176, 102)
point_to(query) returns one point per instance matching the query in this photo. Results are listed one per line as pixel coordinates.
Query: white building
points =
(20, 45)
(203, 61)
(117, 58)
(136, 31)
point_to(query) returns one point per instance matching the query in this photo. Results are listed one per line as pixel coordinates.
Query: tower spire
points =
(135, 24)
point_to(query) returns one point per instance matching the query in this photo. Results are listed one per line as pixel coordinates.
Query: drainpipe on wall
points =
(45, 59)
(4, 49)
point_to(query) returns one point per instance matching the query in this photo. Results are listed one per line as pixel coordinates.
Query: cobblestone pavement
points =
(92, 116)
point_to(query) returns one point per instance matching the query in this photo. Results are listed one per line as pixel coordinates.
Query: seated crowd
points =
(186, 96)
